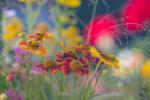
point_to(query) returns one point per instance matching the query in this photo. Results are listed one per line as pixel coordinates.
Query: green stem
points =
(27, 58)
(31, 19)
(90, 81)
(93, 15)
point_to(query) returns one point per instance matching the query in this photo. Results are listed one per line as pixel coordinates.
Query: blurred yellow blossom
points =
(3, 96)
(108, 60)
(41, 28)
(71, 34)
(70, 3)
(27, 1)
(145, 71)
(13, 28)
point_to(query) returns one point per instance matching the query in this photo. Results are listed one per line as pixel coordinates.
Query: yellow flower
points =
(41, 28)
(145, 71)
(3, 96)
(71, 32)
(108, 60)
(74, 41)
(71, 36)
(70, 3)
(27, 1)
(12, 30)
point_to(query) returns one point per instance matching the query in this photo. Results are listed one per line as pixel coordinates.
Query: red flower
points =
(54, 70)
(10, 78)
(65, 66)
(84, 62)
(99, 26)
(50, 65)
(135, 15)
(87, 55)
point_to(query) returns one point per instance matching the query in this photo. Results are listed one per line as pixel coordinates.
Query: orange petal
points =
(42, 51)
(23, 44)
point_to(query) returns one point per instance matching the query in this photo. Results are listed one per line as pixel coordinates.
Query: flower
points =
(72, 35)
(140, 6)
(3, 96)
(14, 95)
(78, 60)
(51, 65)
(71, 32)
(27, 1)
(70, 3)
(100, 26)
(145, 71)
(75, 65)
(13, 28)
(135, 16)
(40, 36)
(65, 65)
(108, 60)
(10, 78)
(34, 47)
(132, 19)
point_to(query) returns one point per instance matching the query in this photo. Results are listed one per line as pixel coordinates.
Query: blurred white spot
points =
(9, 13)
(105, 43)
(126, 57)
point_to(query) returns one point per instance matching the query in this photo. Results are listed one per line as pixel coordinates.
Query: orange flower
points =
(34, 47)
(40, 36)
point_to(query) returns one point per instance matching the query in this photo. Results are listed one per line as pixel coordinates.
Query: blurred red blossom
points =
(136, 15)
(10, 78)
(101, 25)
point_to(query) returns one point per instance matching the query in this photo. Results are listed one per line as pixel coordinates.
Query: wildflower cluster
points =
(78, 59)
